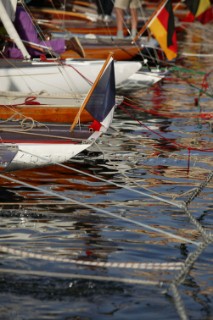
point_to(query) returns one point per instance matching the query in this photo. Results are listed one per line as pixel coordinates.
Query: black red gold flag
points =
(162, 26)
(201, 10)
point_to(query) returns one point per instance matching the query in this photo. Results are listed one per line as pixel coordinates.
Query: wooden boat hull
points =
(80, 27)
(43, 113)
(99, 48)
(50, 13)
(43, 107)
(123, 53)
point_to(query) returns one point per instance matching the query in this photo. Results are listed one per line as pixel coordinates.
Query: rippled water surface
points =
(123, 204)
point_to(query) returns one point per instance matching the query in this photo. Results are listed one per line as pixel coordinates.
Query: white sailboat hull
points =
(36, 155)
(25, 155)
(33, 145)
(64, 77)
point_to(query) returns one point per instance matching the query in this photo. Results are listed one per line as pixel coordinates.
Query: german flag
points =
(201, 10)
(162, 26)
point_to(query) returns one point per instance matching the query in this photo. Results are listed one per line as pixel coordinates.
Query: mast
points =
(13, 34)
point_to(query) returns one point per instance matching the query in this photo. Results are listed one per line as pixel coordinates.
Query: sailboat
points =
(47, 90)
(98, 36)
(57, 74)
(26, 145)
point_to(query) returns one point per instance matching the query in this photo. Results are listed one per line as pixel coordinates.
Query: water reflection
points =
(160, 143)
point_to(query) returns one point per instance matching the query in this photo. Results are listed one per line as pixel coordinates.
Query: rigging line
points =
(188, 54)
(78, 72)
(82, 276)
(180, 205)
(142, 12)
(36, 26)
(108, 213)
(169, 140)
(103, 21)
(126, 176)
(21, 72)
(60, 63)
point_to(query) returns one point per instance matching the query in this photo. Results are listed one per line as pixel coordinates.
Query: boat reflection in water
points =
(146, 150)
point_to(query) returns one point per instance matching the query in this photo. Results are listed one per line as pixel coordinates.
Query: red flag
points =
(162, 27)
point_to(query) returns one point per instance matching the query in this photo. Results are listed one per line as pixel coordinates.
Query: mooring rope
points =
(199, 189)
(178, 302)
(189, 262)
(100, 264)
(183, 268)
(174, 203)
(158, 230)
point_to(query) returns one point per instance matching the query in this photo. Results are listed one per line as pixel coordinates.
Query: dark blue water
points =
(160, 143)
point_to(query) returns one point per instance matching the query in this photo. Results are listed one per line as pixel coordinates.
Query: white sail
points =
(10, 7)
(7, 15)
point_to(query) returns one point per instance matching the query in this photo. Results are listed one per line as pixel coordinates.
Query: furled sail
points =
(7, 15)
(10, 7)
